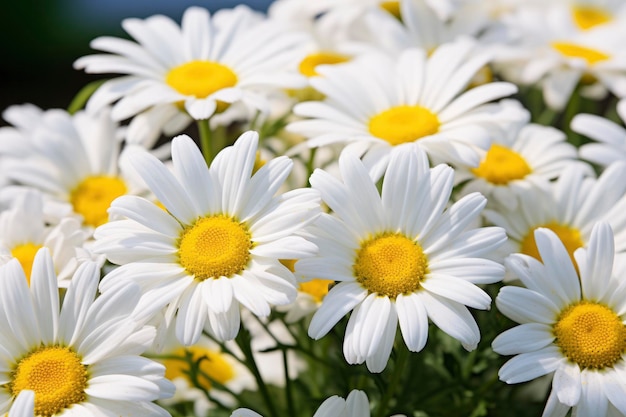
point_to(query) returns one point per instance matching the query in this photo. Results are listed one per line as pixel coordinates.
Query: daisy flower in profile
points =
(355, 404)
(569, 207)
(76, 162)
(376, 103)
(24, 230)
(527, 156)
(571, 324)
(400, 257)
(214, 366)
(204, 64)
(81, 357)
(610, 136)
(218, 244)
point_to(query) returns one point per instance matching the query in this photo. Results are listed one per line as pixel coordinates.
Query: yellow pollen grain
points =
(587, 16)
(402, 124)
(572, 50)
(25, 254)
(502, 165)
(93, 196)
(393, 7)
(200, 78)
(390, 264)
(55, 374)
(591, 335)
(215, 246)
(309, 64)
(213, 366)
(570, 237)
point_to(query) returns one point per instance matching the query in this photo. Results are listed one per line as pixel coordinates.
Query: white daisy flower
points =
(527, 156)
(399, 257)
(214, 365)
(217, 246)
(569, 207)
(75, 161)
(355, 404)
(376, 103)
(572, 325)
(611, 137)
(87, 348)
(552, 52)
(206, 63)
(420, 27)
(24, 230)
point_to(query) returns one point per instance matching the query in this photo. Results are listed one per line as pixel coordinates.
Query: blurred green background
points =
(41, 39)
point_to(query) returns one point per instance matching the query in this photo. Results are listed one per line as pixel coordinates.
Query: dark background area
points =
(39, 41)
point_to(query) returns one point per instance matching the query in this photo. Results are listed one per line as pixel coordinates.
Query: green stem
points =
(206, 140)
(244, 341)
(310, 166)
(289, 395)
(573, 106)
(398, 370)
(79, 101)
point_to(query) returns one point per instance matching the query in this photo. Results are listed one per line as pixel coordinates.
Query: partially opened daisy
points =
(75, 161)
(527, 156)
(80, 357)
(610, 137)
(218, 243)
(571, 324)
(376, 103)
(205, 64)
(400, 257)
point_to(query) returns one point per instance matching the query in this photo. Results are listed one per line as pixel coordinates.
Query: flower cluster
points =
(264, 213)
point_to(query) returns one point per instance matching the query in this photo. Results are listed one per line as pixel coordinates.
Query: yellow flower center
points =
(93, 196)
(591, 335)
(570, 237)
(586, 16)
(390, 264)
(403, 124)
(213, 366)
(55, 374)
(200, 78)
(502, 165)
(316, 288)
(309, 64)
(572, 50)
(25, 254)
(215, 246)
(392, 7)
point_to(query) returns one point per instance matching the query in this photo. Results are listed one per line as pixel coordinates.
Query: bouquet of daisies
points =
(309, 212)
